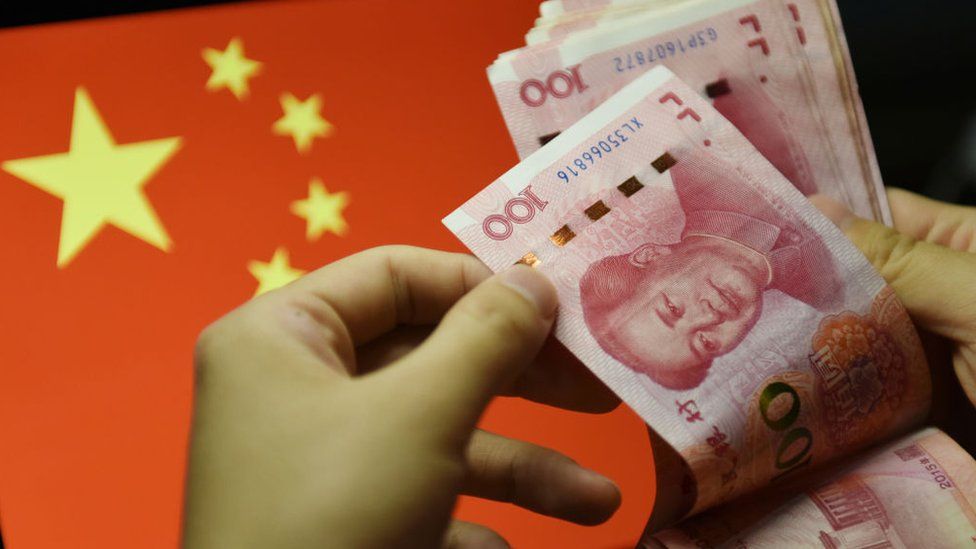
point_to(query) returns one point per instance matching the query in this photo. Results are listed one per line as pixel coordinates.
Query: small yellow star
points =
(322, 210)
(275, 273)
(230, 68)
(302, 121)
(99, 181)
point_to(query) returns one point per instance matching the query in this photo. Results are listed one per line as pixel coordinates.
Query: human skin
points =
(929, 260)
(328, 414)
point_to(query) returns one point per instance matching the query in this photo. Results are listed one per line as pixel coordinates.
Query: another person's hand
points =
(929, 259)
(328, 414)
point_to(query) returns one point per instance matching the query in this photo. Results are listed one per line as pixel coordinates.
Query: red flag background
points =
(106, 286)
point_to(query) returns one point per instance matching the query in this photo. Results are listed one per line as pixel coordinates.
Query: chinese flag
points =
(158, 170)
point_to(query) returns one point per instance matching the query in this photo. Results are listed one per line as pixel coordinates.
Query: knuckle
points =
(221, 338)
(499, 465)
(210, 340)
(315, 323)
(207, 346)
(388, 252)
(531, 460)
(485, 458)
(533, 471)
(535, 461)
(508, 462)
(888, 250)
(205, 341)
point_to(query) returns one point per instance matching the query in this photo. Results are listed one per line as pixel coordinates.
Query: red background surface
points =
(96, 369)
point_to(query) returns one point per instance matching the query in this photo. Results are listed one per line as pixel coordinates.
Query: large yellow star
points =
(302, 121)
(321, 210)
(275, 273)
(230, 68)
(99, 181)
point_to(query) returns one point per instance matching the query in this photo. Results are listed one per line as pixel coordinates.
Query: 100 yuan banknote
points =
(775, 69)
(553, 9)
(563, 22)
(919, 491)
(708, 293)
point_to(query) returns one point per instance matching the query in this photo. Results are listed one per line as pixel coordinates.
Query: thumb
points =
(936, 284)
(484, 341)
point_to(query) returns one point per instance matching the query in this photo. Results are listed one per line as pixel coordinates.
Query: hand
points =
(327, 413)
(929, 259)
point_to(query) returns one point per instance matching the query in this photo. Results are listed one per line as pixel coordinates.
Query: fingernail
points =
(840, 214)
(534, 286)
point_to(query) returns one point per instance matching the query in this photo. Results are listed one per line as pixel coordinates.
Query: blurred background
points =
(915, 63)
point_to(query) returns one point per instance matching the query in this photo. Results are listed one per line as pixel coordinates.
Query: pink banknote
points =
(708, 293)
(776, 69)
(560, 19)
(556, 8)
(919, 491)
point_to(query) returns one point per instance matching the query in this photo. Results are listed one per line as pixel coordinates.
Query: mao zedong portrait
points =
(669, 310)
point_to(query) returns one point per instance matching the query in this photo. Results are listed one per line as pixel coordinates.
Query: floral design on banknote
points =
(860, 376)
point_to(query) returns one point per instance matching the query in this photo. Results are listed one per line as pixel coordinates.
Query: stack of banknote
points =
(778, 70)
(668, 148)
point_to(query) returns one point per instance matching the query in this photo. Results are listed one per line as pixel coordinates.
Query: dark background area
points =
(915, 63)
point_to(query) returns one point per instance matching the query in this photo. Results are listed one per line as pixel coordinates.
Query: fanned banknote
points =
(707, 292)
(779, 70)
(919, 491)
(563, 20)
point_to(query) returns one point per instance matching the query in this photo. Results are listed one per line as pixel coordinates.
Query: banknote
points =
(564, 21)
(550, 9)
(918, 491)
(775, 69)
(709, 294)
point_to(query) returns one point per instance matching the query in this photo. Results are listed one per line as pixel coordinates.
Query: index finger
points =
(373, 291)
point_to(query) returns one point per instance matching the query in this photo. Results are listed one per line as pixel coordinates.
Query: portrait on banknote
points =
(668, 310)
